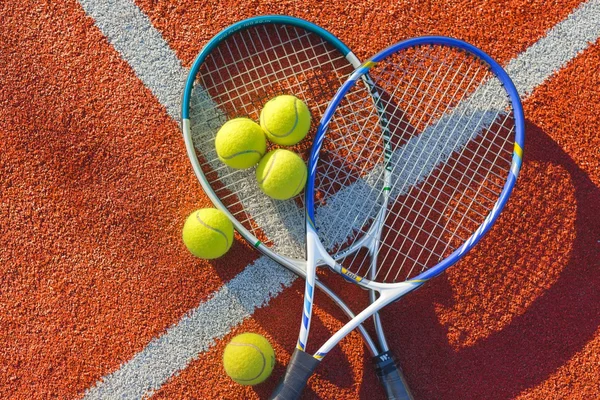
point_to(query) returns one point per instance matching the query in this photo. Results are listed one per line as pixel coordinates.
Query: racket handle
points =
(299, 369)
(391, 377)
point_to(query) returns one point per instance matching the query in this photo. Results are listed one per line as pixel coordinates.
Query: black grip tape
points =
(299, 369)
(391, 377)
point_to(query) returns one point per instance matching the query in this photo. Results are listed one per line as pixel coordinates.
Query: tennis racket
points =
(234, 75)
(413, 171)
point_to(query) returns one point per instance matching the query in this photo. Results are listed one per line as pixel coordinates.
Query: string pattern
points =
(410, 176)
(237, 78)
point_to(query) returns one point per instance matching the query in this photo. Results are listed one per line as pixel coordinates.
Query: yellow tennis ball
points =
(285, 120)
(249, 359)
(240, 143)
(208, 233)
(281, 174)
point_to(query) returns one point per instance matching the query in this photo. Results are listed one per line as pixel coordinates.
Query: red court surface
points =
(95, 186)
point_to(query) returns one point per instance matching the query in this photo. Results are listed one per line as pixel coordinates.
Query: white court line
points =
(130, 32)
(138, 42)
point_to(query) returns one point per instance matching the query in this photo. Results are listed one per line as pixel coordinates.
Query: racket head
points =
(376, 156)
(234, 75)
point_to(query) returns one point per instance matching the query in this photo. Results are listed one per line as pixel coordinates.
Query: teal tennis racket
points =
(235, 74)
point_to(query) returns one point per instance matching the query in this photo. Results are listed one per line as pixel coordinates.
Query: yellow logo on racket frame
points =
(351, 275)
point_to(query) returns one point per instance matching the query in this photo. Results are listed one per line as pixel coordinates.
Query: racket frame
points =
(389, 292)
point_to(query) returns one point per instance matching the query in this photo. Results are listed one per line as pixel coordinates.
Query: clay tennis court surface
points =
(95, 186)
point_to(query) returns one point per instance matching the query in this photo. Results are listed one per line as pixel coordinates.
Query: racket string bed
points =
(449, 219)
(269, 79)
(412, 225)
(456, 115)
(426, 217)
(479, 187)
(240, 76)
(375, 122)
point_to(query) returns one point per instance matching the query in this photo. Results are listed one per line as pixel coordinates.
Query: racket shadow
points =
(544, 284)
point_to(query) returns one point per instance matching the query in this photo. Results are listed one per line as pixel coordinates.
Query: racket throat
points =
(386, 297)
(377, 324)
(370, 241)
(313, 259)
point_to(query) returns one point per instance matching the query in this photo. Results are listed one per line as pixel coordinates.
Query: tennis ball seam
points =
(239, 153)
(271, 163)
(293, 127)
(300, 183)
(264, 361)
(213, 229)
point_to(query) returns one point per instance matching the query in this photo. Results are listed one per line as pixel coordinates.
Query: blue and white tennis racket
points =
(414, 169)
(234, 75)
